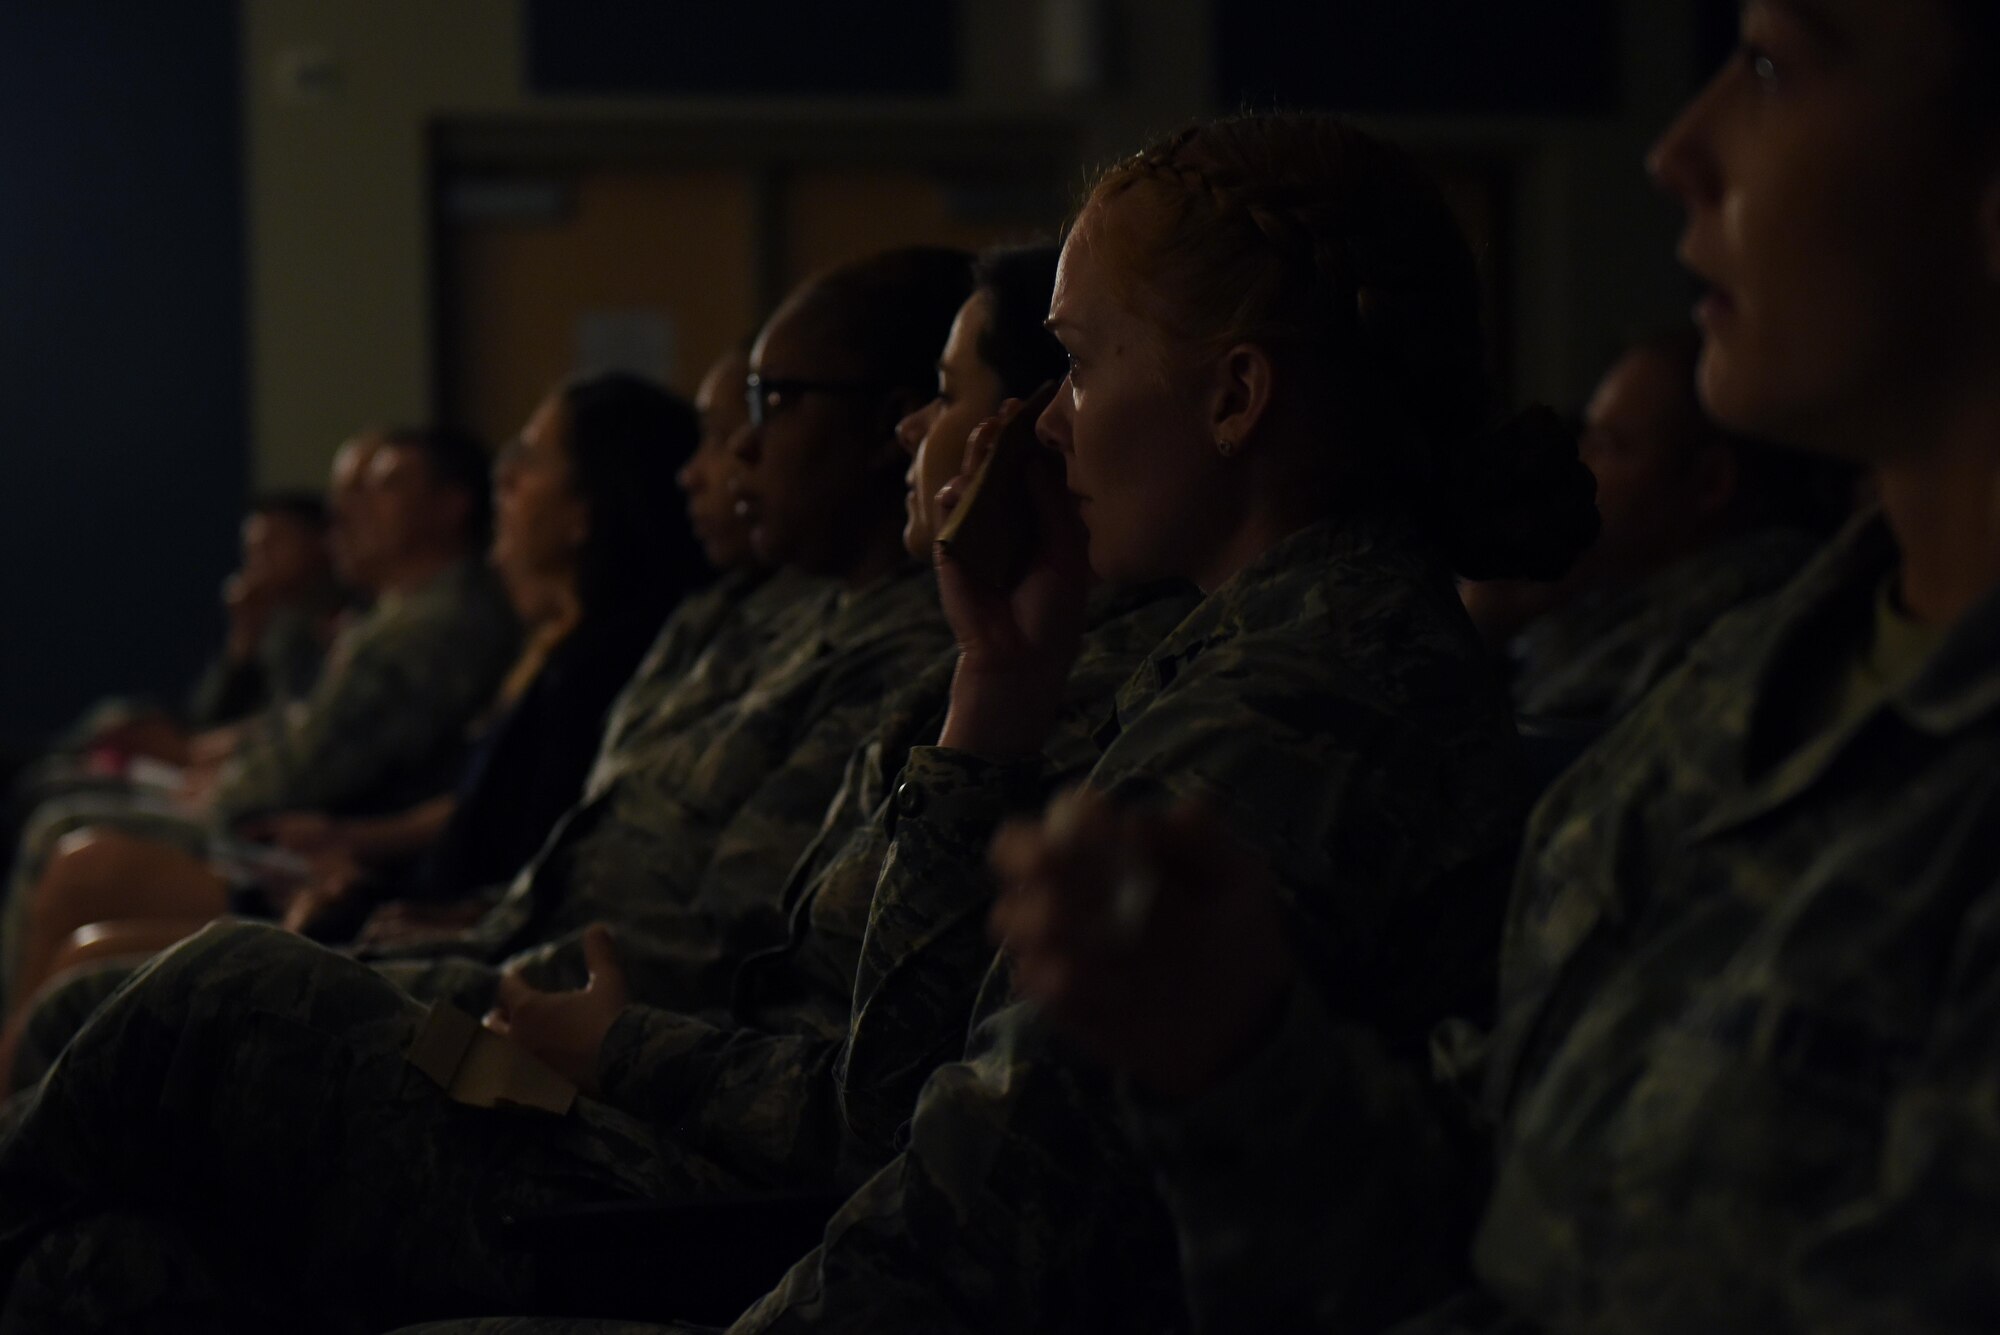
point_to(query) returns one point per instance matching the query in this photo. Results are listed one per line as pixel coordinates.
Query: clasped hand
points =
(1154, 941)
(1015, 645)
(566, 1029)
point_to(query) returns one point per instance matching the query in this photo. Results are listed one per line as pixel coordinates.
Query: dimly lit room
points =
(968, 666)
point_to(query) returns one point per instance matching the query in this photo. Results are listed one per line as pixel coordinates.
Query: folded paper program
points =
(474, 1065)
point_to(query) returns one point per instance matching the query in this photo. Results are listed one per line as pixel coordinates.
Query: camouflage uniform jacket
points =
(679, 680)
(1592, 663)
(688, 962)
(388, 717)
(736, 793)
(283, 669)
(1335, 705)
(830, 1036)
(1745, 1068)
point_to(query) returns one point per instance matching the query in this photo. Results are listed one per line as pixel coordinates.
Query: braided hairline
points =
(1324, 258)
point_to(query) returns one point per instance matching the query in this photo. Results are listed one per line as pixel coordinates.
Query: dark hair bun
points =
(1517, 501)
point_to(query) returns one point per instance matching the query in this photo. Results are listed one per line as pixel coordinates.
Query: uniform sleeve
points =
(1921, 1253)
(926, 950)
(717, 877)
(1295, 1179)
(760, 1105)
(283, 669)
(401, 697)
(792, 1107)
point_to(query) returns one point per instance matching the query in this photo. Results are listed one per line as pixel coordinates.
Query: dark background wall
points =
(1421, 57)
(122, 402)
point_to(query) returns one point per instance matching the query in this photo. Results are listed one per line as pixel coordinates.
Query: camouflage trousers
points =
(237, 1130)
(62, 1009)
(530, 1325)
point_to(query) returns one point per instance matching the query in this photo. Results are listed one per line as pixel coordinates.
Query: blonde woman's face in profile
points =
(1834, 207)
(1150, 484)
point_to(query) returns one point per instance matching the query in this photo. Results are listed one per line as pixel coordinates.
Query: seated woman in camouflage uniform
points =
(1277, 376)
(585, 543)
(1744, 1071)
(727, 774)
(806, 1058)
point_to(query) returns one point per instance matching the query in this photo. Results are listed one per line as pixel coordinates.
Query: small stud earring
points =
(1225, 447)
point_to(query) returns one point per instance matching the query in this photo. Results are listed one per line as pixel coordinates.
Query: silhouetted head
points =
(346, 514)
(1841, 177)
(998, 348)
(585, 496)
(840, 363)
(286, 552)
(1278, 315)
(704, 479)
(1671, 480)
(424, 497)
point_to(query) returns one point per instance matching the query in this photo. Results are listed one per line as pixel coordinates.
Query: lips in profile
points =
(1717, 304)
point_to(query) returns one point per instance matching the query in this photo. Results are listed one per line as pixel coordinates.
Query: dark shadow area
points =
(122, 339)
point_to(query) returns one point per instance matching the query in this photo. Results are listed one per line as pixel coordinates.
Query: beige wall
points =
(342, 291)
(339, 209)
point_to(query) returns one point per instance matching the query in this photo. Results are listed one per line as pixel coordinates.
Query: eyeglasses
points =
(770, 395)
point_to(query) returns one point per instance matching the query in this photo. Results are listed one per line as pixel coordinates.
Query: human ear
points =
(1239, 397)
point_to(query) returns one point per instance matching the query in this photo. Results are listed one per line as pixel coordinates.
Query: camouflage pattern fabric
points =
(740, 617)
(125, 1271)
(808, 1077)
(389, 715)
(688, 961)
(1594, 662)
(284, 668)
(884, 629)
(1277, 1182)
(1333, 702)
(736, 792)
(234, 976)
(1744, 1072)
(283, 1136)
(548, 1325)
(59, 1011)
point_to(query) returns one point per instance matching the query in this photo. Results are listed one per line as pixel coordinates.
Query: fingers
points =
(1016, 850)
(1059, 876)
(1195, 841)
(978, 448)
(512, 993)
(600, 957)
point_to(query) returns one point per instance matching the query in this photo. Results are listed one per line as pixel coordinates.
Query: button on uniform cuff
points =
(939, 783)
